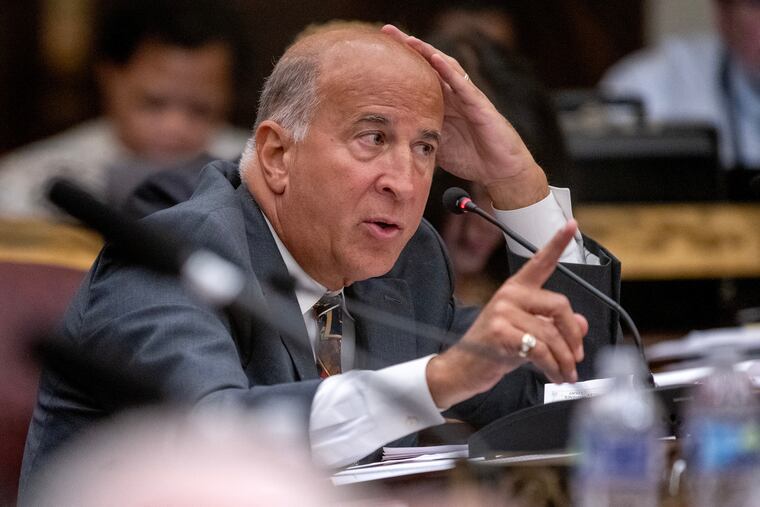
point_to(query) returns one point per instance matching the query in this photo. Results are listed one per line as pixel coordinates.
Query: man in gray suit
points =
(351, 124)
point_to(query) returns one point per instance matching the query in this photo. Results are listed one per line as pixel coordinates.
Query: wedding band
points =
(528, 343)
(466, 77)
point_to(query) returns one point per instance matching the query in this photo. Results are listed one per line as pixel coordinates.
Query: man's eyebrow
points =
(373, 118)
(432, 135)
(428, 134)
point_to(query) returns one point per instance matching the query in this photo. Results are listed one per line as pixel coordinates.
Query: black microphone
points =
(160, 250)
(208, 276)
(458, 201)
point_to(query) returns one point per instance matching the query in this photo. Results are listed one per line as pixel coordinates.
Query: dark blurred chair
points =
(41, 266)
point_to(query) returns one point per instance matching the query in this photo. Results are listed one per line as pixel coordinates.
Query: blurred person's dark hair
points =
(123, 25)
(492, 18)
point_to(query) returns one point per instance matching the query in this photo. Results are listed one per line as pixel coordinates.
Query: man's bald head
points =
(335, 51)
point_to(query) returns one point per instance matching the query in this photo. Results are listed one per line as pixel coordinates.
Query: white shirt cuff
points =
(540, 221)
(356, 412)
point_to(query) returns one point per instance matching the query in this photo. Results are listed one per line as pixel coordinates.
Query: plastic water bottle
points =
(617, 434)
(723, 443)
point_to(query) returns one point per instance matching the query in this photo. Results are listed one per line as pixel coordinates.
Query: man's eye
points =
(374, 138)
(426, 149)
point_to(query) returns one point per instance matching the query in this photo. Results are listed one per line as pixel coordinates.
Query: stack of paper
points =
(429, 452)
(400, 461)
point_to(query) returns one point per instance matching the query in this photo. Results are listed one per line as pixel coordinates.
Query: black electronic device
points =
(644, 163)
(548, 427)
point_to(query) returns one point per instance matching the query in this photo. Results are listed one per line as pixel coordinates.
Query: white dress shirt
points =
(358, 411)
(85, 154)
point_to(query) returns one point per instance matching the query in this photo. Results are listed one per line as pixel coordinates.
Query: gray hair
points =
(289, 98)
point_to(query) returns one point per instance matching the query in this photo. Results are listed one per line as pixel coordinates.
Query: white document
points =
(399, 461)
(694, 375)
(430, 451)
(586, 389)
(530, 458)
(373, 473)
(701, 342)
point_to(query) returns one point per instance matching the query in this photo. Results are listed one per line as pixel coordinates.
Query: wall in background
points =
(676, 17)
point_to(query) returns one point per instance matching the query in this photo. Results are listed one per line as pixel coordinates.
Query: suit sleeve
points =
(149, 323)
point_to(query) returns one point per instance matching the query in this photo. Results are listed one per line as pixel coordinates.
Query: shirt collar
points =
(308, 291)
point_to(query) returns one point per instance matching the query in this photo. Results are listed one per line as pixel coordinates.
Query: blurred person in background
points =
(476, 247)
(491, 19)
(706, 78)
(165, 71)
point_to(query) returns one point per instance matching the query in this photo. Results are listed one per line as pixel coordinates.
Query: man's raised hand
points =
(479, 144)
(520, 307)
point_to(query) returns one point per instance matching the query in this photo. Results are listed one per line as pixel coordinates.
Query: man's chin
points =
(371, 268)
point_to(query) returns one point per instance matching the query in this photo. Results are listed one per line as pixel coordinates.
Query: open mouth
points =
(383, 229)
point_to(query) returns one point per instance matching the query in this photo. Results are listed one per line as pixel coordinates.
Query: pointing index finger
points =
(539, 268)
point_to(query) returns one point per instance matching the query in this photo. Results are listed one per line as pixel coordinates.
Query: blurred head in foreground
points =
(203, 458)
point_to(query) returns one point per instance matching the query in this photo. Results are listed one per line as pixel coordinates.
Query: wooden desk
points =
(678, 241)
(501, 481)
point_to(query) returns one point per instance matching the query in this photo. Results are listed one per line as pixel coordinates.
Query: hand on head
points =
(518, 308)
(479, 144)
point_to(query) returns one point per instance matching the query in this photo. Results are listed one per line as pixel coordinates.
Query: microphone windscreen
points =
(451, 199)
(158, 249)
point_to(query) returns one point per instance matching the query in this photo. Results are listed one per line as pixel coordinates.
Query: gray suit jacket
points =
(128, 315)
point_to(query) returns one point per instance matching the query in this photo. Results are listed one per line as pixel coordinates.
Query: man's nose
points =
(398, 177)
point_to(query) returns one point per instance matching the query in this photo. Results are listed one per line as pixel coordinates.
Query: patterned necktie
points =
(329, 314)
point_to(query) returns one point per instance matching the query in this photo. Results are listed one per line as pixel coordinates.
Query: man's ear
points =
(273, 143)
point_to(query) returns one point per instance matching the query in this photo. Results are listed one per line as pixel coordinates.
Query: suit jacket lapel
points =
(268, 264)
(378, 345)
